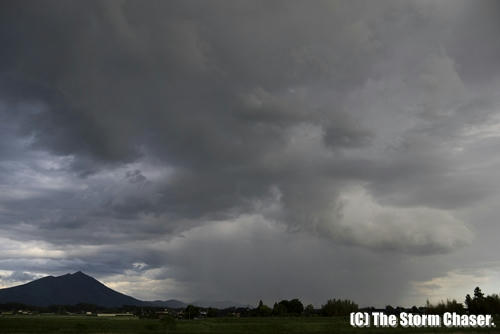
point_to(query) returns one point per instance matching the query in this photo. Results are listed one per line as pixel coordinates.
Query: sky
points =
(247, 150)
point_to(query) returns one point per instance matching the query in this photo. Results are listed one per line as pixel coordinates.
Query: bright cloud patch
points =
(421, 230)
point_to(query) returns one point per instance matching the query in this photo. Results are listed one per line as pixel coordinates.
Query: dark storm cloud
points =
(17, 276)
(131, 123)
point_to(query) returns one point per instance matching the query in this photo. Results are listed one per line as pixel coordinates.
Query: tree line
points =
(294, 307)
(478, 303)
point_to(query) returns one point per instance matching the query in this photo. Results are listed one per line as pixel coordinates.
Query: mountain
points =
(173, 303)
(218, 304)
(67, 289)
(71, 289)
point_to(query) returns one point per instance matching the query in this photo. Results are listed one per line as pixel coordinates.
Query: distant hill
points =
(218, 304)
(171, 303)
(67, 289)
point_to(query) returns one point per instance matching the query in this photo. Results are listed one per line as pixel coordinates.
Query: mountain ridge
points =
(71, 289)
(68, 289)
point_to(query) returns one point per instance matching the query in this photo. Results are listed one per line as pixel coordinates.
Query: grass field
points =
(79, 324)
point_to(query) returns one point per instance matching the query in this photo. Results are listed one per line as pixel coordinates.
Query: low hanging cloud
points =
(419, 230)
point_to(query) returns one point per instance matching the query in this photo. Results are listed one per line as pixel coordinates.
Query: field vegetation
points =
(251, 325)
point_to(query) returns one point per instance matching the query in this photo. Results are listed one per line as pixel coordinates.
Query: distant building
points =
(115, 315)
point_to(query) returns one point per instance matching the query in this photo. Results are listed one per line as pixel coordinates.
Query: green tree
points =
(468, 302)
(295, 307)
(309, 310)
(279, 309)
(338, 307)
(211, 312)
(191, 311)
(263, 310)
(448, 306)
(480, 304)
(478, 294)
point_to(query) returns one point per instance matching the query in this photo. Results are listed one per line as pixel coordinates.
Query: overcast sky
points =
(246, 150)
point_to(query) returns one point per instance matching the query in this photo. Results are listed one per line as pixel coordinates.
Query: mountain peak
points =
(68, 289)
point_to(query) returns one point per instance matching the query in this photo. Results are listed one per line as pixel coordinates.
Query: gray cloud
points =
(366, 127)
(17, 276)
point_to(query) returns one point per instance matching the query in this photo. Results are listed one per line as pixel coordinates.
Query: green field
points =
(80, 324)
